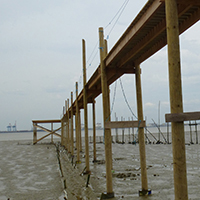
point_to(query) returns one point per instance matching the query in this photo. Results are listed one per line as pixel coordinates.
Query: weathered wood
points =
(47, 121)
(124, 124)
(68, 134)
(141, 132)
(34, 133)
(186, 2)
(181, 117)
(42, 138)
(77, 126)
(178, 137)
(94, 131)
(72, 127)
(106, 114)
(85, 109)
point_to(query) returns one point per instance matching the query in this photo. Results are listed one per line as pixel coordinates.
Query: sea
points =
(162, 133)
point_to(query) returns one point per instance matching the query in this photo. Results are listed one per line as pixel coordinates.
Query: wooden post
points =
(196, 132)
(72, 126)
(68, 134)
(178, 137)
(80, 132)
(94, 132)
(106, 117)
(190, 125)
(52, 134)
(168, 132)
(129, 133)
(65, 125)
(62, 131)
(85, 110)
(34, 133)
(141, 138)
(116, 130)
(133, 132)
(77, 126)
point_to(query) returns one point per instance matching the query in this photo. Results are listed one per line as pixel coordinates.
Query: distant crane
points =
(9, 127)
(12, 128)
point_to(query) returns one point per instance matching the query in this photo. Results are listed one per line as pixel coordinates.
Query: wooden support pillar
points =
(80, 133)
(106, 116)
(77, 126)
(178, 137)
(62, 132)
(65, 125)
(85, 110)
(94, 132)
(141, 137)
(72, 126)
(68, 134)
(51, 131)
(34, 133)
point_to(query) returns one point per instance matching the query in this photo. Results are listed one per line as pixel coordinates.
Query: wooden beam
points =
(181, 117)
(47, 121)
(186, 2)
(124, 124)
(134, 28)
(42, 138)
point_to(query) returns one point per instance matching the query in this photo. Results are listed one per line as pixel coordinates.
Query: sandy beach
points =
(33, 172)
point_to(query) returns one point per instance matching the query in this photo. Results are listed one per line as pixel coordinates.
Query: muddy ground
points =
(32, 172)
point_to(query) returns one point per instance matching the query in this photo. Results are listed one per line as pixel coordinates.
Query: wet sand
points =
(29, 171)
(32, 172)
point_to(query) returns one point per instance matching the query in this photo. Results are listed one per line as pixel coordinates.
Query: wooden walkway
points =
(160, 22)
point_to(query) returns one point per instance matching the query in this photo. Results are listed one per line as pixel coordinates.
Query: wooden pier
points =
(159, 23)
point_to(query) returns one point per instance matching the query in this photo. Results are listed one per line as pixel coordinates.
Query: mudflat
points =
(29, 171)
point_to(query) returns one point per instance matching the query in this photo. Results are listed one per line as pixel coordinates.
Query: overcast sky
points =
(41, 59)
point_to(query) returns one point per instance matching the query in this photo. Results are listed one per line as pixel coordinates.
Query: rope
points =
(123, 92)
(120, 11)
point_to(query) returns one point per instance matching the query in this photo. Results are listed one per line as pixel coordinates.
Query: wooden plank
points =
(47, 121)
(181, 117)
(42, 138)
(124, 124)
(186, 2)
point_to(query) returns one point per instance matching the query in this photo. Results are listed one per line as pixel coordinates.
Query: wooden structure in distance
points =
(50, 132)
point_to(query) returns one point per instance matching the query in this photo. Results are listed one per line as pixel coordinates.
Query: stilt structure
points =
(141, 138)
(106, 118)
(178, 137)
(159, 23)
(72, 126)
(85, 109)
(77, 127)
(94, 132)
(50, 132)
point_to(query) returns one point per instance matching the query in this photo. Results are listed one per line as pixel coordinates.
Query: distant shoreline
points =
(20, 131)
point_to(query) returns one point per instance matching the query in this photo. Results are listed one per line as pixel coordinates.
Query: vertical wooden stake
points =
(65, 124)
(77, 126)
(72, 126)
(80, 133)
(106, 116)
(116, 130)
(34, 133)
(85, 110)
(52, 134)
(141, 133)
(196, 132)
(178, 137)
(94, 132)
(68, 134)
